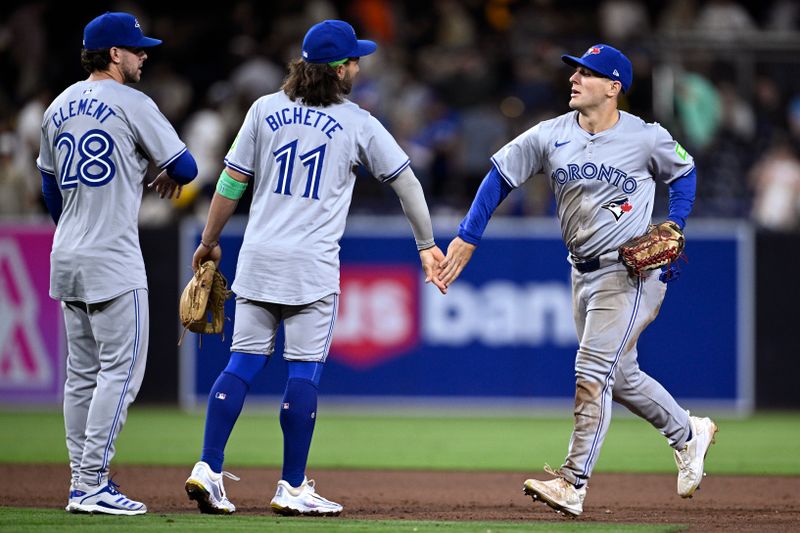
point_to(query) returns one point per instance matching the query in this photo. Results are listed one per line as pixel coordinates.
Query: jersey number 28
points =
(94, 166)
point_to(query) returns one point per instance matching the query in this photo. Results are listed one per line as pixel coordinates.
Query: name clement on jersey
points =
(589, 171)
(85, 106)
(304, 116)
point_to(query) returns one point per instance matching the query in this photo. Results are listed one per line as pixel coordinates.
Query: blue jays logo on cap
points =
(333, 40)
(606, 61)
(115, 29)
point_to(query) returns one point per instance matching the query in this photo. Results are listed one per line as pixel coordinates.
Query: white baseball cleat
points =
(205, 487)
(303, 500)
(558, 493)
(691, 458)
(105, 499)
(75, 496)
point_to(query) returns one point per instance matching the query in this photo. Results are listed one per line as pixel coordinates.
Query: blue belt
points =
(587, 266)
(596, 263)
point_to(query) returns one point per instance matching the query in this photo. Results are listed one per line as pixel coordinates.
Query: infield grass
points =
(23, 520)
(763, 444)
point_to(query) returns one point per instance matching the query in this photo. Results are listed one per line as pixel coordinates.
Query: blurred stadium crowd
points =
(453, 80)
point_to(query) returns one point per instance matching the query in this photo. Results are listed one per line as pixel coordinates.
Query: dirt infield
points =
(725, 503)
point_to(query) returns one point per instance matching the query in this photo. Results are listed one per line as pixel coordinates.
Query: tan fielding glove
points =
(660, 246)
(202, 305)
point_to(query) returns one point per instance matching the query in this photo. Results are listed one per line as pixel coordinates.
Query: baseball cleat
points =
(561, 495)
(691, 458)
(105, 499)
(303, 500)
(75, 496)
(205, 487)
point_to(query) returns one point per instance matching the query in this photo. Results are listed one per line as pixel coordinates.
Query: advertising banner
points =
(31, 325)
(504, 333)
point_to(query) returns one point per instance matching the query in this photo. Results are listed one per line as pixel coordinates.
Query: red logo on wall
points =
(378, 315)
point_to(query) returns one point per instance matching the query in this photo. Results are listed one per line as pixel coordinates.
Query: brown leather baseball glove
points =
(662, 245)
(202, 305)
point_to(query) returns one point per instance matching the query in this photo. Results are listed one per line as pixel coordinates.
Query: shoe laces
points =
(683, 456)
(231, 476)
(564, 482)
(684, 459)
(683, 462)
(113, 488)
(549, 470)
(311, 487)
(222, 486)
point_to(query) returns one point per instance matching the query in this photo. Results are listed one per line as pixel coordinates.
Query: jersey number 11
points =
(312, 160)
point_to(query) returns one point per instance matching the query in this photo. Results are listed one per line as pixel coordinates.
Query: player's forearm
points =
(491, 193)
(219, 213)
(681, 197)
(183, 169)
(230, 187)
(52, 195)
(412, 199)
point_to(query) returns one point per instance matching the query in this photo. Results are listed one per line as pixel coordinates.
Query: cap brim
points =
(365, 48)
(575, 62)
(578, 62)
(146, 42)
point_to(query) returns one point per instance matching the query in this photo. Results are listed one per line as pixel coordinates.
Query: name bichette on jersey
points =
(305, 116)
(84, 106)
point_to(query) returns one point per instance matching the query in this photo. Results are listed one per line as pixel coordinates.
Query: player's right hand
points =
(431, 259)
(166, 186)
(204, 253)
(458, 255)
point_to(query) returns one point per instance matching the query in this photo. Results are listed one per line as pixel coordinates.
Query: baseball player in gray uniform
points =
(602, 165)
(300, 147)
(97, 138)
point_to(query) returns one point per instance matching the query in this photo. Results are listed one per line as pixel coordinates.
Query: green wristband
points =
(229, 187)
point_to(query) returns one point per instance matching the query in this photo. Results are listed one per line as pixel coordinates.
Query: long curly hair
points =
(95, 60)
(315, 83)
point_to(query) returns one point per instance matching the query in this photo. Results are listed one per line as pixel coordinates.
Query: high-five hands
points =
(458, 255)
(431, 259)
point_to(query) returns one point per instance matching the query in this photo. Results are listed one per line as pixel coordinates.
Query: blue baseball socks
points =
(298, 416)
(225, 403)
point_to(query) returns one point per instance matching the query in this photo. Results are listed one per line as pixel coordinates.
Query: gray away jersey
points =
(97, 137)
(604, 183)
(302, 161)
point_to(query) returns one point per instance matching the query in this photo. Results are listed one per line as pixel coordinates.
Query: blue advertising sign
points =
(505, 330)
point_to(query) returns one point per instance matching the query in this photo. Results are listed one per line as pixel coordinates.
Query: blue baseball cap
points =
(605, 60)
(334, 40)
(115, 29)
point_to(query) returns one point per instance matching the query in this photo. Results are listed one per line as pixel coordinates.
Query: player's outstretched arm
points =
(458, 255)
(431, 259)
(412, 199)
(230, 187)
(492, 191)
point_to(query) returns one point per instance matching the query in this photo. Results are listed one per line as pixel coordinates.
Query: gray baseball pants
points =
(107, 353)
(611, 309)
